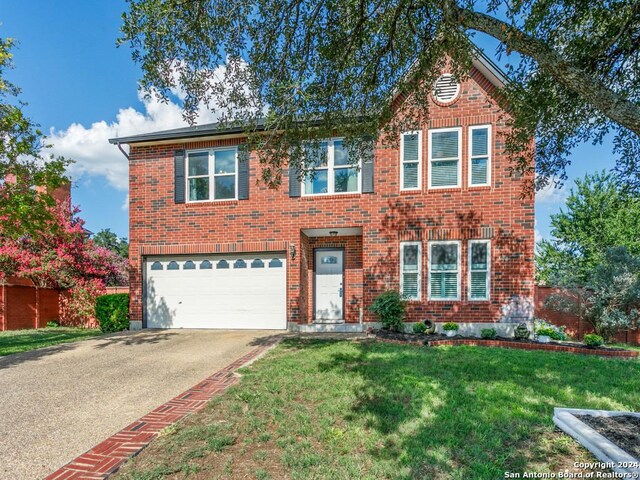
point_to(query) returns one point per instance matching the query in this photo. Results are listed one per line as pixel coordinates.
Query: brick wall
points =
(386, 217)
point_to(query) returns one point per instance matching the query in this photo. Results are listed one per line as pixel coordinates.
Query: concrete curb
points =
(603, 449)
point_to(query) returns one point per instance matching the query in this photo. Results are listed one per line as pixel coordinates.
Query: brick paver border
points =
(106, 457)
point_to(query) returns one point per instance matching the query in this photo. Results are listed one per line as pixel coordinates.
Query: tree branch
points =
(583, 84)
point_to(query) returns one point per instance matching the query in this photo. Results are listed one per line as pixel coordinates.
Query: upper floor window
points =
(410, 269)
(212, 175)
(331, 170)
(444, 270)
(411, 161)
(445, 153)
(480, 155)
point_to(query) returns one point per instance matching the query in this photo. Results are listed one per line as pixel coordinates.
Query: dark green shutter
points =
(294, 182)
(179, 184)
(243, 172)
(367, 169)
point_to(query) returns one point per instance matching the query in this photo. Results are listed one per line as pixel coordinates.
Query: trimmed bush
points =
(391, 308)
(545, 332)
(53, 324)
(451, 326)
(419, 327)
(593, 340)
(112, 312)
(488, 333)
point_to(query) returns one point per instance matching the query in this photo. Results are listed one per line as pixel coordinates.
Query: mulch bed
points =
(439, 339)
(622, 430)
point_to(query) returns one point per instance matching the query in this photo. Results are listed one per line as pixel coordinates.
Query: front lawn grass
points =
(366, 410)
(15, 341)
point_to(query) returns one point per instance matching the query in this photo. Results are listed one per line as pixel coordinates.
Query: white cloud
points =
(90, 147)
(551, 194)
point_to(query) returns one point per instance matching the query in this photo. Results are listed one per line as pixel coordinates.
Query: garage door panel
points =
(250, 297)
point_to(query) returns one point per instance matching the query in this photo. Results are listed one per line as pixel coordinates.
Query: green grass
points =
(362, 410)
(15, 341)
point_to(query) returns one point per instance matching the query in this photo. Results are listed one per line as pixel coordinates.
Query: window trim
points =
(489, 152)
(402, 245)
(431, 160)
(488, 281)
(210, 176)
(445, 242)
(402, 162)
(330, 168)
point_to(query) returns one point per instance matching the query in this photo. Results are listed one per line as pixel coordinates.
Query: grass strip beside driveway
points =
(15, 341)
(367, 410)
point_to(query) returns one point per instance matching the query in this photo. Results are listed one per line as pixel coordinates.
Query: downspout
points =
(122, 150)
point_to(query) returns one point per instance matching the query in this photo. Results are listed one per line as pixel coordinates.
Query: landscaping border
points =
(108, 456)
(566, 419)
(536, 346)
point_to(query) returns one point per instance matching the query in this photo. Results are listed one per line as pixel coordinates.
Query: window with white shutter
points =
(479, 269)
(411, 161)
(410, 269)
(445, 154)
(444, 270)
(480, 155)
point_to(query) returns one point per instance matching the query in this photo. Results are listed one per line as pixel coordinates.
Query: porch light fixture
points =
(292, 251)
(333, 233)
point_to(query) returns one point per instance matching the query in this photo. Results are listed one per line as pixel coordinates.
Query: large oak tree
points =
(314, 67)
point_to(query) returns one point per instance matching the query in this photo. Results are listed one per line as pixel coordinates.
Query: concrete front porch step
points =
(327, 327)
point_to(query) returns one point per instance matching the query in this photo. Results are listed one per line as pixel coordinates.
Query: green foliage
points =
(24, 209)
(450, 326)
(107, 239)
(608, 299)
(488, 333)
(419, 328)
(593, 340)
(391, 309)
(314, 67)
(112, 312)
(598, 215)
(52, 324)
(545, 332)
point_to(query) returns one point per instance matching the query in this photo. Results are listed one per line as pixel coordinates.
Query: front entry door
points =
(329, 277)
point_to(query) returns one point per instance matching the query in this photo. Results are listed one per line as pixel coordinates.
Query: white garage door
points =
(215, 291)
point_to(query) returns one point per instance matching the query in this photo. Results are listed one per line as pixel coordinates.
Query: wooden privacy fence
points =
(574, 326)
(23, 305)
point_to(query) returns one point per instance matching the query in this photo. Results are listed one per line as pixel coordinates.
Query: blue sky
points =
(82, 90)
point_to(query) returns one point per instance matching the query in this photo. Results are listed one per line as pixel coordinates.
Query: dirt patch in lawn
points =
(622, 430)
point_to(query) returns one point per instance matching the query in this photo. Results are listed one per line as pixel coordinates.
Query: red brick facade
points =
(270, 220)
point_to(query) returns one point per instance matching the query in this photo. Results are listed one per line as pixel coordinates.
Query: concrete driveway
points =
(58, 402)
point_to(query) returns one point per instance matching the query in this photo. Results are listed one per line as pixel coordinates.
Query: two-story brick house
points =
(440, 218)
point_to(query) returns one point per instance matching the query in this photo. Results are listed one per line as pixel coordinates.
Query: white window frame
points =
(419, 272)
(211, 174)
(402, 162)
(431, 159)
(331, 168)
(445, 242)
(488, 243)
(489, 152)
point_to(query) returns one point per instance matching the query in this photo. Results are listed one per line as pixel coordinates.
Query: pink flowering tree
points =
(62, 256)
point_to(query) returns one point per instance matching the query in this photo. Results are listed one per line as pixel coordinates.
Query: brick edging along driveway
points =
(109, 455)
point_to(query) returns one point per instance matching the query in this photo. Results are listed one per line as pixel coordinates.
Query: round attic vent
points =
(446, 88)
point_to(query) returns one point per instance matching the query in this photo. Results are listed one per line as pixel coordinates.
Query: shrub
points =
(521, 332)
(391, 308)
(450, 326)
(419, 327)
(593, 340)
(112, 312)
(545, 331)
(488, 333)
(52, 324)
